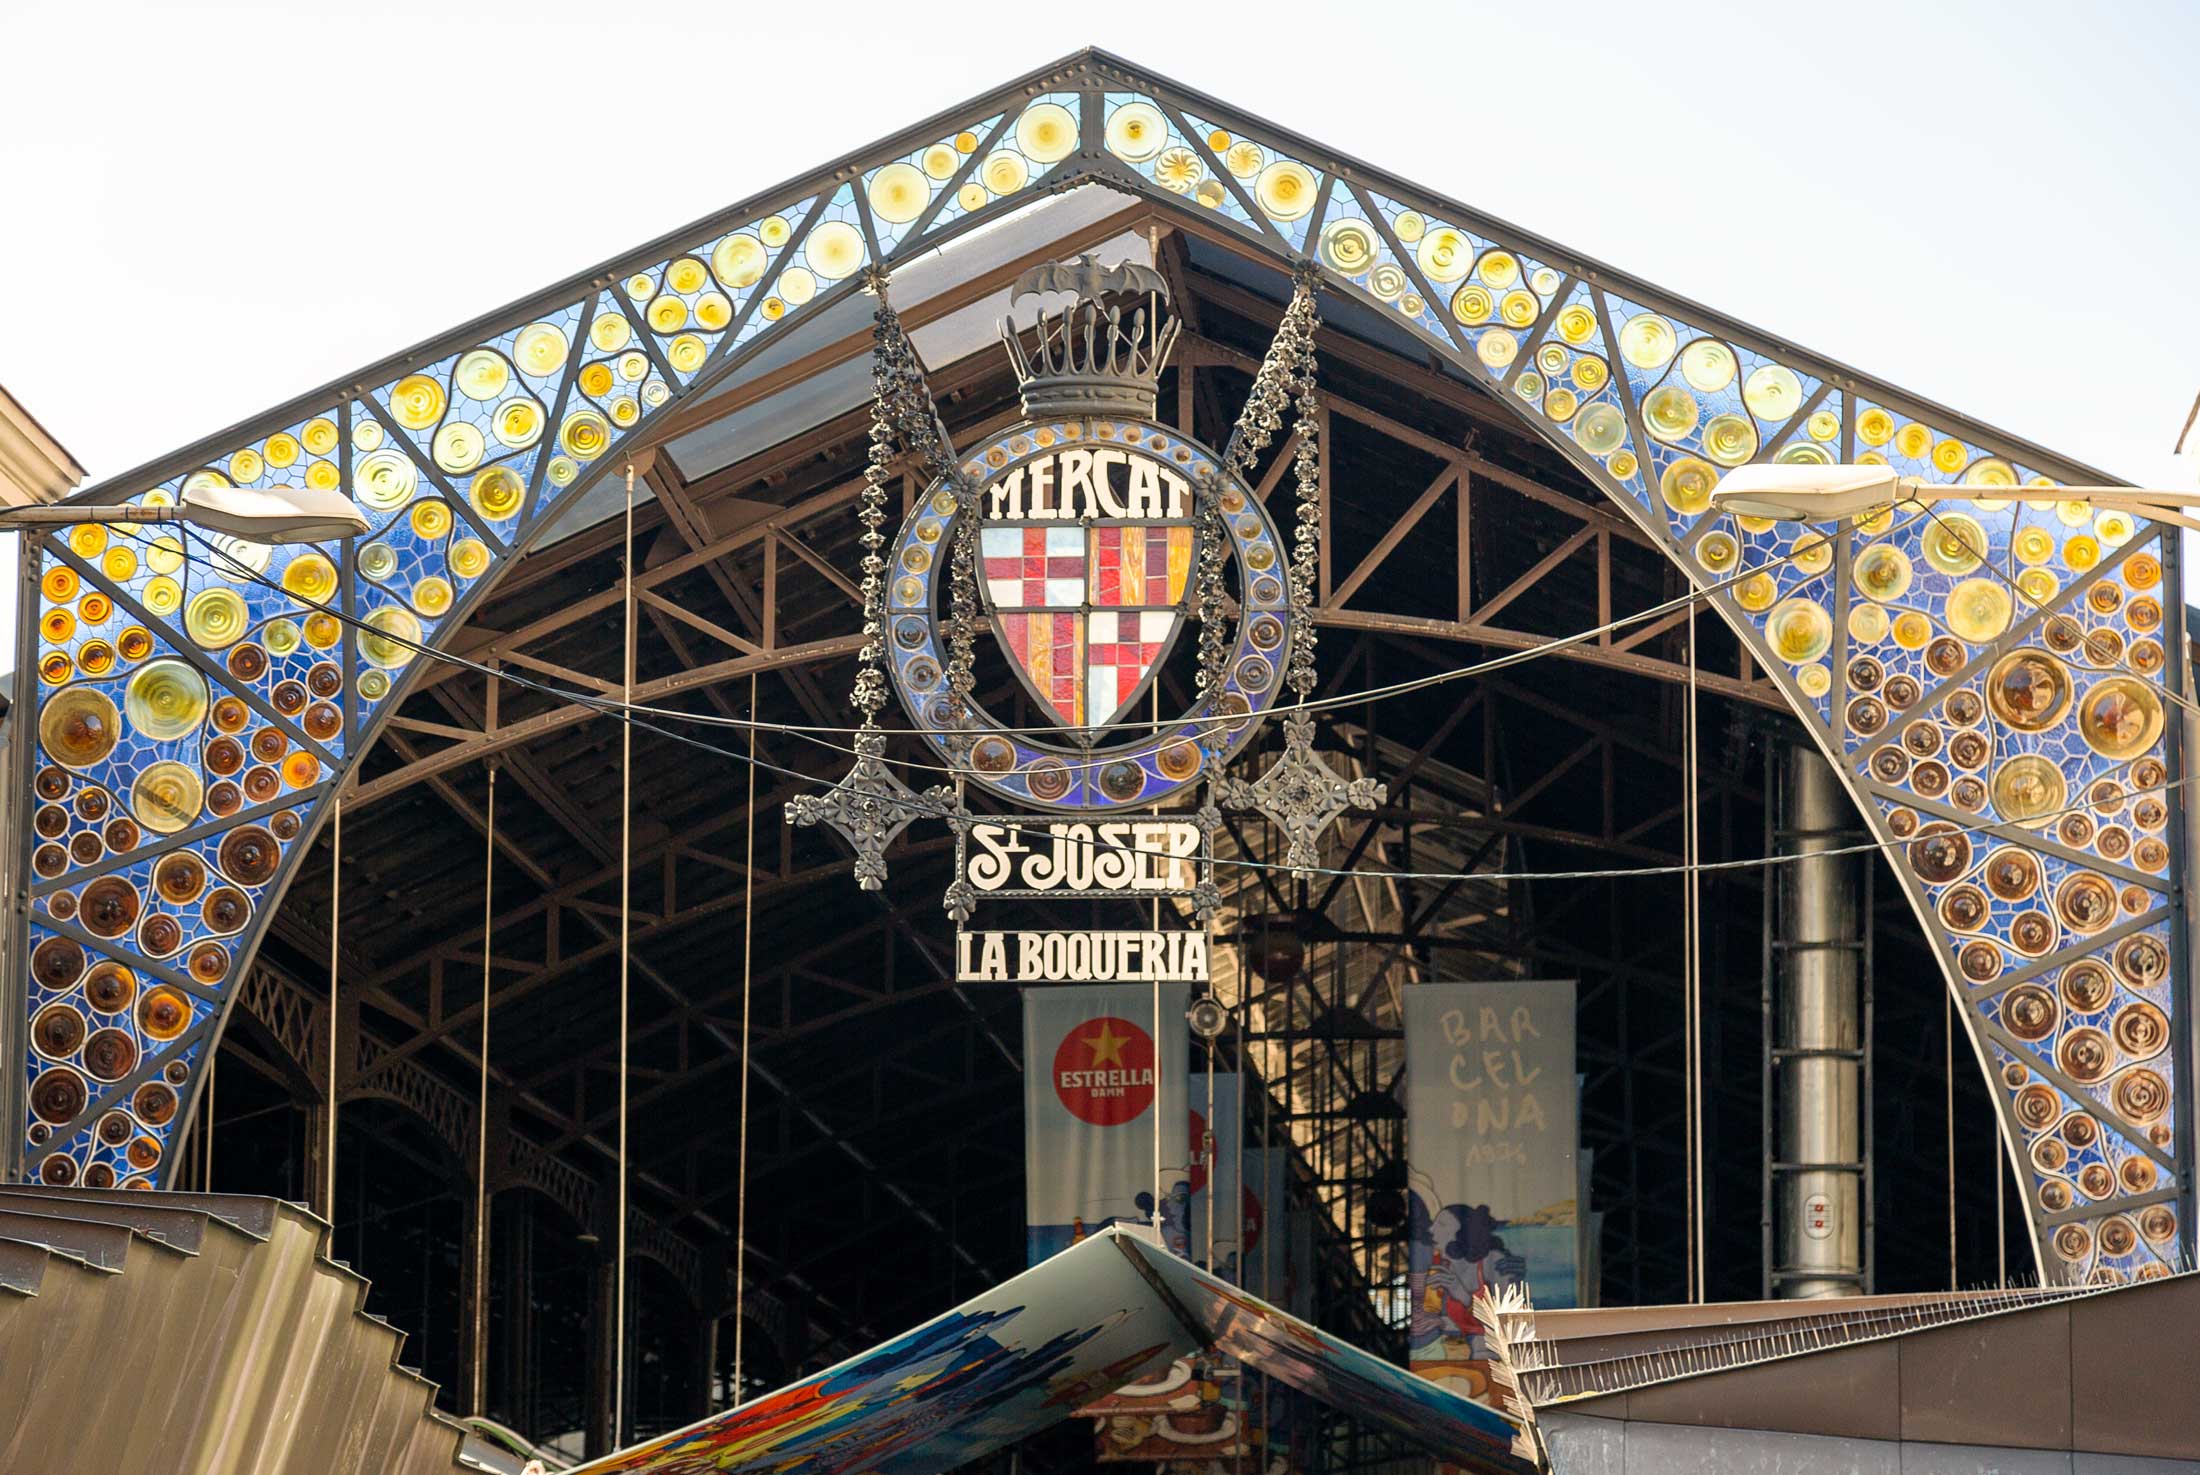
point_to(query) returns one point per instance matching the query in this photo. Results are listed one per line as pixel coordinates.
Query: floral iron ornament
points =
(870, 808)
(1302, 794)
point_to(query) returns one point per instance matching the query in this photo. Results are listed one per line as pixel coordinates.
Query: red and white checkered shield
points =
(1085, 611)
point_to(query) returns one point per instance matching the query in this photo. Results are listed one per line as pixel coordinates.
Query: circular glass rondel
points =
(1087, 565)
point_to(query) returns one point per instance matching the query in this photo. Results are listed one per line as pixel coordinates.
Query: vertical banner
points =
(1491, 1132)
(1096, 1074)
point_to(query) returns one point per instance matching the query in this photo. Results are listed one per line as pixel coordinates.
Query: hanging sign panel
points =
(1081, 957)
(1056, 858)
(1491, 1134)
(1100, 1061)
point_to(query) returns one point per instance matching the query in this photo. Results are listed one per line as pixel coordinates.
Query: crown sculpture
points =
(1090, 358)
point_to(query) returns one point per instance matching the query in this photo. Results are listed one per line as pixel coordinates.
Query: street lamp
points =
(1806, 493)
(280, 515)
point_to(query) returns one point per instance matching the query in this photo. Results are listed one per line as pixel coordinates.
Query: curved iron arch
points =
(1584, 354)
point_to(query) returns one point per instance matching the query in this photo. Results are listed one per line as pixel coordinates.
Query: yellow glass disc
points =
(1803, 453)
(541, 349)
(899, 193)
(1046, 133)
(378, 560)
(431, 520)
(1445, 255)
(1286, 190)
(366, 434)
(481, 375)
(1518, 308)
(1881, 572)
(1497, 348)
(518, 423)
(216, 618)
(1913, 441)
(1576, 324)
(1244, 158)
(1560, 405)
(2033, 544)
(739, 260)
(432, 596)
(596, 379)
(713, 311)
(668, 314)
(797, 286)
(1756, 592)
(1348, 246)
(165, 700)
(971, 196)
(624, 411)
(1210, 193)
(1708, 365)
(87, 539)
(392, 632)
(1729, 439)
(323, 476)
(311, 577)
(1875, 427)
(1600, 429)
(1498, 269)
(1990, 471)
(120, 563)
(1867, 624)
(1410, 226)
(1773, 392)
(1137, 132)
(1719, 552)
(469, 558)
(1823, 425)
(966, 142)
(459, 446)
(245, 466)
(323, 631)
(417, 402)
(685, 275)
(1686, 485)
(1954, 543)
(1811, 552)
(1912, 630)
(2114, 527)
(1978, 610)
(281, 637)
(774, 231)
(1669, 412)
(1471, 304)
(1949, 456)
(1621, 464)
(1178, 169)
(1590, 373)
(687, 353)
(1004, 171)
(2038, 586)
(2028, 790)
(1551, 359)
(163, 595)
(940, 161)
(320, 436)
(1814, 680)
(1647, 341)
(166, 797)
(585, 435)
(834, 250)
(281, 452)
(496, 492)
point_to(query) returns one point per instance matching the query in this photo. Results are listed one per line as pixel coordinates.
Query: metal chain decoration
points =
(872, 806)
(1299, 792)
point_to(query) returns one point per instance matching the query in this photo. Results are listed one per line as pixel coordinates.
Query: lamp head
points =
(1804, 493)
(288, 515)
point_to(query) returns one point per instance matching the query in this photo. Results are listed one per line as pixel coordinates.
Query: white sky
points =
(213, 207)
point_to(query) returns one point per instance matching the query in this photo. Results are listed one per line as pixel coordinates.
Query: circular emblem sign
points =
(1086, 564)
(1103, 1071)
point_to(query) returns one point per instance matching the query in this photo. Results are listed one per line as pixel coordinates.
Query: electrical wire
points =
(926, 809)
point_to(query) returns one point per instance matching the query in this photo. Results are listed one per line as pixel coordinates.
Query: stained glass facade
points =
(1995, 679)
